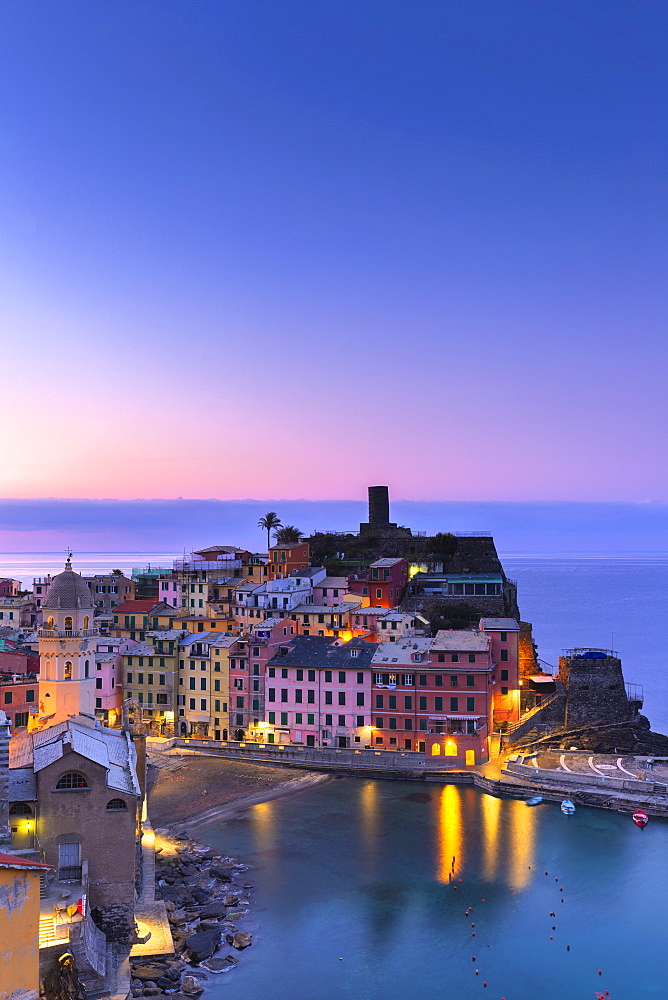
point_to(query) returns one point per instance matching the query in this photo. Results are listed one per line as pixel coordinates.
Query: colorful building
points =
(19, 927)
(384, 583)
(285, 560)
(318, 692)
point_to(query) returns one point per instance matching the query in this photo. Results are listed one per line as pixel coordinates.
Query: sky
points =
(290, 249)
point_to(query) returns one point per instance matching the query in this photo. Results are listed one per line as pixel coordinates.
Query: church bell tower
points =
(67, 647)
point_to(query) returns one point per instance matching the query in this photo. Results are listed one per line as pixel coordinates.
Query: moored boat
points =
(535, 801)
(640, 818)
(567, 807)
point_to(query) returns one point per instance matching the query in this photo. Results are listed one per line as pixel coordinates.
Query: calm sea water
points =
(353, 897)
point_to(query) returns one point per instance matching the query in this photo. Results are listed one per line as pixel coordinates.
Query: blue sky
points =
(432, 233)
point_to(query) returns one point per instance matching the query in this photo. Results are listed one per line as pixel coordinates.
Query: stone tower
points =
(595, 688)
(67, 647)
(379, 523)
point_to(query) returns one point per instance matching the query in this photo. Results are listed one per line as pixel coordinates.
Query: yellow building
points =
(19, 927)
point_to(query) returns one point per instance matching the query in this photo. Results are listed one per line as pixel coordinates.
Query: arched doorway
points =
(238, 734)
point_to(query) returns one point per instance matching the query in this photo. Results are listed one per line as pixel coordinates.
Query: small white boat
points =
(567, 807)
(535, 801)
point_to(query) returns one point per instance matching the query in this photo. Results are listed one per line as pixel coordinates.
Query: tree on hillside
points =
(289, 535)
(270, 522)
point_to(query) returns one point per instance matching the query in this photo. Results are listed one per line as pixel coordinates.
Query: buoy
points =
(547, 873)
(551, 937)
(473, 958)
(600, 972)
(553, 928)
(485, 985)
(472, 933)
(482, 900)
(556, 880)
(340, 959)
(472, 925)
(568, 947)
(477, 972)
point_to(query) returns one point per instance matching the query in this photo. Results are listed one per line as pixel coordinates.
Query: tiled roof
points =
(10, 861)
(400, 652)
(324, 651)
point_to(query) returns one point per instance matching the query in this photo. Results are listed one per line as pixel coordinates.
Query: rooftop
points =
(400, 652)
(324, 651)
(500, 624)
(68, 592)
(459, 640)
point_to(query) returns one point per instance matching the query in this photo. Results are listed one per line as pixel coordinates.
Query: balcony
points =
(75, 633)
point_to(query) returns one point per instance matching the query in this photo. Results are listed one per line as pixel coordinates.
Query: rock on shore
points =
(205, 895)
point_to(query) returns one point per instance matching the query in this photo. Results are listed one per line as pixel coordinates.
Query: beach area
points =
(187, 789)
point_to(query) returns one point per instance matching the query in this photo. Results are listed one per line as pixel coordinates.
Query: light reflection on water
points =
(353, 895)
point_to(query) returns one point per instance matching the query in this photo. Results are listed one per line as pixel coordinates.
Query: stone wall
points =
(595, 690)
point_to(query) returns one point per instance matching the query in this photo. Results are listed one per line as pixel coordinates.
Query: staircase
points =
(47, 931)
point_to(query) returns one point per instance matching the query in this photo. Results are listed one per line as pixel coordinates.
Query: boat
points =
(535, 801)
(567, 807)
(640, 819)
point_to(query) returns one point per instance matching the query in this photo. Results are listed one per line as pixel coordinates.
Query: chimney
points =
(5, 831)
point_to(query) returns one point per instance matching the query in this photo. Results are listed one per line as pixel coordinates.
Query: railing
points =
(635, 692)
(69, 873)
(69, 633)
(506, 730)
(579, 651)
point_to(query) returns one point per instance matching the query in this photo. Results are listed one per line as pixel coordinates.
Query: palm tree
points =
(289, 535)
(269, 522)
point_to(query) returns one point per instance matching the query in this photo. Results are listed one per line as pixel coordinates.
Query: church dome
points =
(68, 592)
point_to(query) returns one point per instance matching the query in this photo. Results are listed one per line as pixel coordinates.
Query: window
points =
(342, 677)
(299, 696)
(342, 720)
(284, 694)
(504, 637)
(379, 594)
(311, 675)
(272, 671)
(393, 723)
(441, 657)
(360, 698)
(470, 704)
(423, 680)
(300, 675)
(272, 718)
(140, 678)
(240, 702)
(71, 780)
(192, 703)
(20, 809)
(454, 681)
(423, 704)
(271, 694)
(408, 703)
(504, 690)
(408, 723)
(504, 675)
(438, 704)
(284, 718)
(438, 680)
(408, 680)
(471, 657)
(284, 673)
(504, 655)
(310, 697)
(328, 677)
(98, 702)
(342, 697)
(454, 704)
(393, 702)
(116, 805)
(21, 720)
(360, 720)
(192, 683)
(98, 683)
(470, 680)
(328, 698)
(8, 697)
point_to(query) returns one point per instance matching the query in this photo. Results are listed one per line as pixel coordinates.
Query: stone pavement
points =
(601, 765)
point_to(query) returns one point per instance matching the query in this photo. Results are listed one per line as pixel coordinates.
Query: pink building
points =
(109, 678)
(169, 591)
(457, 683)
(330, 591)
(9, 588)
(318, 692)
(263, 640)
(504, 634)
(383, 584)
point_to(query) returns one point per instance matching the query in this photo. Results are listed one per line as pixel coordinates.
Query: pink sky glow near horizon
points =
(256, 250)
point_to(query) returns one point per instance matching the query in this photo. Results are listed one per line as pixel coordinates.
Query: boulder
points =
(241, 940)
(220, 874)
(213, 910)
(231, 900)
(218, 965)
(150, 972)
(191, 986)
(203, 944)
(201, 895)
(208, 924)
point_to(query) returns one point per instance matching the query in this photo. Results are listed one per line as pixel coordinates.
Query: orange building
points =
(287, 559)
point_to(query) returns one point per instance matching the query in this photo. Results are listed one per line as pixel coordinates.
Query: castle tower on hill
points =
(67, 647)
(379, 523)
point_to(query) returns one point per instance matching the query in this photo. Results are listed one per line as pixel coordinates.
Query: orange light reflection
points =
(449, 833)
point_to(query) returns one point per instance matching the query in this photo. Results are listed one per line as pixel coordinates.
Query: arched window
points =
(68, 624)
(87, 669)
(435, 750)
(68, 670)
(116, 805)
(49, 622)
(20, 809)
(71, 780)
(85, 621)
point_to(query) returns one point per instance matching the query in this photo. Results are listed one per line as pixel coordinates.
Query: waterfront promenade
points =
(598, 780)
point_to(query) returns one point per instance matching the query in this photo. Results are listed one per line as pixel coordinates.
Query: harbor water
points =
(363, 888)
